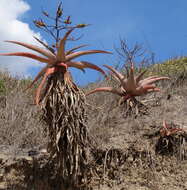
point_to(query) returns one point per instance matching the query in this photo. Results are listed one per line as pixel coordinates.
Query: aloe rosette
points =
(131, 86)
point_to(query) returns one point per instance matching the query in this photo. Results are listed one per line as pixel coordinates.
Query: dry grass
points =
(19, 120)
(21, 126)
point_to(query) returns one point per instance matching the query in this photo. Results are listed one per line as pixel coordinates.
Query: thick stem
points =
(64, 114)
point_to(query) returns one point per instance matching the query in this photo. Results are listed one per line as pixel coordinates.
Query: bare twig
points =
(136, 54)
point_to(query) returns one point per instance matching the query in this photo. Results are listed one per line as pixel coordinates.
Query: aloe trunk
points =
(64, 113)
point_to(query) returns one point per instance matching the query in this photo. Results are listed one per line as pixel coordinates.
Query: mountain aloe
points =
(130, 86)
(62, 102)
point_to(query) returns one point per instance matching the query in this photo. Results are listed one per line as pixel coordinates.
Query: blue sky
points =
(159, 25)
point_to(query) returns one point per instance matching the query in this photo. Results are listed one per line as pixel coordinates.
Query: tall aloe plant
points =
(62, 102)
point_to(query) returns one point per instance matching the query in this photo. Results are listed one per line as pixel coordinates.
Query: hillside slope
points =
(129, 151)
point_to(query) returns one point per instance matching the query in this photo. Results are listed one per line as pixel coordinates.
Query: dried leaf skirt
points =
(63, 105)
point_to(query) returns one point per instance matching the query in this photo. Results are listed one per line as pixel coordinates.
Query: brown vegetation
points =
(129, 152)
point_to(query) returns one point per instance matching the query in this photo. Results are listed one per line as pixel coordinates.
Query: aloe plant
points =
(62, 102)
(131, 86)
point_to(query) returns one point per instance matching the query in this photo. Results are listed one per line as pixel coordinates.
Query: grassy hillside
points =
(130, 152)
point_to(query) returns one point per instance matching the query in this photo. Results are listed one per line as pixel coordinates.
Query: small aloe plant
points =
(171, 141)
(167, 130)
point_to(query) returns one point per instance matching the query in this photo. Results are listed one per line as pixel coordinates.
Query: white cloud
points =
(12, 28)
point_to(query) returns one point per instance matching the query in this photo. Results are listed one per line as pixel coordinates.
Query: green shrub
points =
(2, 87)
(172, 67)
